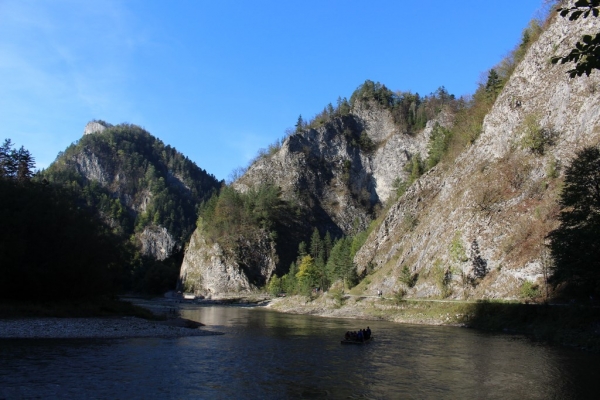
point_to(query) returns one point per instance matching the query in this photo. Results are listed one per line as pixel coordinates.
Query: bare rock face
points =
(156, 242)
(343, 180)
(89, 166)
(207, 269)
(93, 127)
(494, 206)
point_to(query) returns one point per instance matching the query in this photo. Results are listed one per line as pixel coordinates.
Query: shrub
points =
(407, 277)
(535, 137)
(530, 290)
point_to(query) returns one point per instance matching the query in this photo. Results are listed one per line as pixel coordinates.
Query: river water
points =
(269, 355)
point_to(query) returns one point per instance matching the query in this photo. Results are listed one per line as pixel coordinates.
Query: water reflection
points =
(270, 355)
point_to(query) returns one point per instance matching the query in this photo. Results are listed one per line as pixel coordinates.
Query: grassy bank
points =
(106, 307)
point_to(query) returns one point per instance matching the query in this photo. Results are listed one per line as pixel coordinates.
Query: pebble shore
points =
(90, 328)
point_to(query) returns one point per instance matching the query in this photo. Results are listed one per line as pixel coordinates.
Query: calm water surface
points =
(268, 355)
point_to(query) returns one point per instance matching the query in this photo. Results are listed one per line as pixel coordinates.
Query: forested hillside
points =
(146, 191)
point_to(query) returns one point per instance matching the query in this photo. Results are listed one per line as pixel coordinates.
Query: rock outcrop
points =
(208, 269)
(94, 127)
(156, 242)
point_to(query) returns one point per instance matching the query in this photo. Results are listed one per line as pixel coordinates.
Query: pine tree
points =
(479, 264)
(316, 245)
(7, 164)
(493, 85)
(574, 244)
(300, 125)
(328, 245)
(25, 164)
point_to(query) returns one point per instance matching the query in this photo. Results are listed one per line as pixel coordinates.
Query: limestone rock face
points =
(156, 242)
(342, 179)
(498, 200)
(93, 127)
(207, 269)
(90, 167)
(330, 175)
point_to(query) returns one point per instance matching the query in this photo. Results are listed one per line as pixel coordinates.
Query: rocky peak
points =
(94, 127)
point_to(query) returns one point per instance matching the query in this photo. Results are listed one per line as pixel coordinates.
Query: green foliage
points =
(232, 214)
(410, 111)
(442, 277)
(338, 297)
(494, 84)
(457, 250)
(365, 143)
(535, 137)
(529, 290)
(409, 222)
(553, 168)
(15, 164)
(140, 163)
(480, 268)
(586, 54)
(407, 277)
(438, 145)
(300, 124)
(275, 285)
(400, 186)
(574, 244)
(53, 247)
(340, 265)
(399, 296)
(529, 36)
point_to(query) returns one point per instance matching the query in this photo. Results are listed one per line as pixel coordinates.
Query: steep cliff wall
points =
(334, 177)
(496, 203)
(208, 269)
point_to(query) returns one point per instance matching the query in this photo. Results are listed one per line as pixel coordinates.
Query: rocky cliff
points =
(478, 225)
(338, 174)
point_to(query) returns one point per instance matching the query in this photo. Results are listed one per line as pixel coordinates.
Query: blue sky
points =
(218, 80)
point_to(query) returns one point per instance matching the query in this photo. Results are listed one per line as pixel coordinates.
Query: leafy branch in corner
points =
(586, 54)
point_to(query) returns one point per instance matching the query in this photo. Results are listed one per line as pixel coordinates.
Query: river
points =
(269, 355)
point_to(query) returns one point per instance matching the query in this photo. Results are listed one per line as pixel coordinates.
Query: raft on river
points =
(351, 341)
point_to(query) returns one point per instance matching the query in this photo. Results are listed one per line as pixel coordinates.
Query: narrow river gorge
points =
(269, 355)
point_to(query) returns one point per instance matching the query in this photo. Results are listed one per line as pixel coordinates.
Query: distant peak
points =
(95, 126)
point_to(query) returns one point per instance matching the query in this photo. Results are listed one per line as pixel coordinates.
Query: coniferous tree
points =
(575, 244)
(493, 85)
(300, 125)
(25, 164)
(479, 264)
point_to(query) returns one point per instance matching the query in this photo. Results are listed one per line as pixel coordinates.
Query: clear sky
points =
(218, 80)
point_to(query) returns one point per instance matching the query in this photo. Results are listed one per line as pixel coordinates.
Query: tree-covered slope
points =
(143, 188)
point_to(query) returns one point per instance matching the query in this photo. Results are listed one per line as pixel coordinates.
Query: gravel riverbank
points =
(88, 328)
